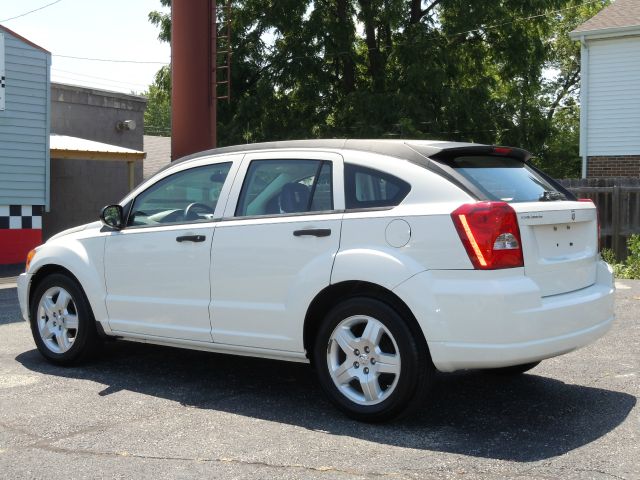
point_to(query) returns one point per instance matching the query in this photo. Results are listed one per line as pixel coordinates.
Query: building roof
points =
(66, 147)
(620, 18)
(158, 150)
(21, 38)
(68, 87)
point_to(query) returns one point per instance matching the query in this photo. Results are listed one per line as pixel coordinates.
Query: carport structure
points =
(85, 176)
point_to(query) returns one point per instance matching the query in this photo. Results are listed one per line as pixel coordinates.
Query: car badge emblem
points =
(573, 214)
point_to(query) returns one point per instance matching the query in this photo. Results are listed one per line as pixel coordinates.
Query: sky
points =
(104, 29)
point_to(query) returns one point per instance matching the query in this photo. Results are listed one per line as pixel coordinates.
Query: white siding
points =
(24, 125)
(613, 96)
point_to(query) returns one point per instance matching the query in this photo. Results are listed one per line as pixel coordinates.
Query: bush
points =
(630, 268)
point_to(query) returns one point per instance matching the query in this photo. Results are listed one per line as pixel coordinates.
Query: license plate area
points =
(563, 241)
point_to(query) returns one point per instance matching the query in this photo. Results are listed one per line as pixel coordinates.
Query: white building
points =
(610, 91)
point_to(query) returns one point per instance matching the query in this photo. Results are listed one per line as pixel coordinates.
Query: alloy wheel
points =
(57, 319)
(363, 360)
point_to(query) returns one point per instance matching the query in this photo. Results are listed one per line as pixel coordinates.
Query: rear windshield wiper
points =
(550, 196)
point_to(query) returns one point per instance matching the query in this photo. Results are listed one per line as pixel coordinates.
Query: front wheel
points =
(62, 322)
(369, 362)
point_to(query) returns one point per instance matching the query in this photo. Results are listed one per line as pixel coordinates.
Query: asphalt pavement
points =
(142, 411)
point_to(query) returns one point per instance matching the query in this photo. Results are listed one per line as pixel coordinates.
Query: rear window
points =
(368, 188)
(506, 179)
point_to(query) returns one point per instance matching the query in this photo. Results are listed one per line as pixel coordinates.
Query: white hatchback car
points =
(377, 261)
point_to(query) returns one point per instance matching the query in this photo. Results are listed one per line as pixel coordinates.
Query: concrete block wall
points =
(93, 114)
(79, 190)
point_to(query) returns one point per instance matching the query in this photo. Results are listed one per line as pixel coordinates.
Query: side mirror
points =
(112, 216)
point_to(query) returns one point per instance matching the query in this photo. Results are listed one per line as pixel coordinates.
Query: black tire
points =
(514, 370)
(84, 340)
(398, 397)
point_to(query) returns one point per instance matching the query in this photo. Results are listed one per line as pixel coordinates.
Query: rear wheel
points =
(369, 362)
(62, 323)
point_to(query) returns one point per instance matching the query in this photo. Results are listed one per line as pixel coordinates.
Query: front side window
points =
(368, 188)
(186, 197)
(273, 187)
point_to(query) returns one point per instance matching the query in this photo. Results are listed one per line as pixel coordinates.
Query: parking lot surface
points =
(141, 411)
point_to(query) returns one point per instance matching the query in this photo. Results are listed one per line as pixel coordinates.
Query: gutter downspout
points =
(584, 106)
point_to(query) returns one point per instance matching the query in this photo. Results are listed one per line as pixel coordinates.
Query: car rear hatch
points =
(559, 244)
(559, 234)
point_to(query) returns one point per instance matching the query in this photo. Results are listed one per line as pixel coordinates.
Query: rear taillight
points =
(589, 200)
(489, 232)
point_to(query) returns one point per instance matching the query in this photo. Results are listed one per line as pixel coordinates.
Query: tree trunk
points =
(569, 82)
(376, 67)
(345, 44)
(416, 11)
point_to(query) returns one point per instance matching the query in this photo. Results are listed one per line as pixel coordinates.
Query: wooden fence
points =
(618, 202)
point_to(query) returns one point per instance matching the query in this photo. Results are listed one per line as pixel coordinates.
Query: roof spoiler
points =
(494, 150)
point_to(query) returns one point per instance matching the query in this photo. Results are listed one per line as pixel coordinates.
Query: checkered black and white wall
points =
(20, 231)
(16, 217)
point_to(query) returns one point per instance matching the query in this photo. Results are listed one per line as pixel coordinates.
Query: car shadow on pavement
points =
(523, 419)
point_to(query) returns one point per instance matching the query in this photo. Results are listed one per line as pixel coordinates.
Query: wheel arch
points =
(44, 272)
(330, 296)
(52, 268)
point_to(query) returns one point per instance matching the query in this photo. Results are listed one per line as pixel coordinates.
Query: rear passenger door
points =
(274, 249)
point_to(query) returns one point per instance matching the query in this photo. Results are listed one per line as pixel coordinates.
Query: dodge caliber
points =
(379, 262)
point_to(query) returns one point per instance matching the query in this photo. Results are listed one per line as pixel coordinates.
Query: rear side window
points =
(506, 179)
(368, 188)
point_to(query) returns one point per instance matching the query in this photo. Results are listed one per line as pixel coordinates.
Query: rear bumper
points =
(475, 319)
(24, 280)
(451, 356)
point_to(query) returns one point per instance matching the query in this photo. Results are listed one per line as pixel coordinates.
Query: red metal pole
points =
(193, 76)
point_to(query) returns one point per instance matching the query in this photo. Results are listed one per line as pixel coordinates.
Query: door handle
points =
(315, 232)
(191, 238)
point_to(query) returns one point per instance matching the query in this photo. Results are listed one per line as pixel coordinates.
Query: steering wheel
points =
(190, 213)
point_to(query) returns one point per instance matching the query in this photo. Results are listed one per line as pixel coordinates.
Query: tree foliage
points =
(502, 72)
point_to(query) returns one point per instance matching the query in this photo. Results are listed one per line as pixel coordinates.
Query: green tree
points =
(157, 116)
(558, 99)
(494, 72)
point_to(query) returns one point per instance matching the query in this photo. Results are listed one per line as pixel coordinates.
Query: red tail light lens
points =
(502, 150)
(489, 232)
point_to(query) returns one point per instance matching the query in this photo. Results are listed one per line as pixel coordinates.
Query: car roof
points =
(394, 148)
(415, 151)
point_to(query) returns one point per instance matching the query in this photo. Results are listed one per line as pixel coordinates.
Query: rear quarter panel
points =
(366, 254)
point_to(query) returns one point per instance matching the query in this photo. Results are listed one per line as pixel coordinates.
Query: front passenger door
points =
(157, 268)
